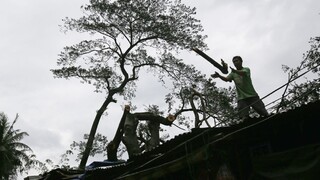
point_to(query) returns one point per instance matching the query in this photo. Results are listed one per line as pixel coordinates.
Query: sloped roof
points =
(293, 128)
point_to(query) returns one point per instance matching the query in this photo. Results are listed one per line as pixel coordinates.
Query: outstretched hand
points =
(215, 75)
(224, 65)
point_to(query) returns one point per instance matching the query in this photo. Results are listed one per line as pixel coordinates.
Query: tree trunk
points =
(155, 135)
(130, 139)
(195, 112)
(112, 147)
(93, 131)
(154, 118)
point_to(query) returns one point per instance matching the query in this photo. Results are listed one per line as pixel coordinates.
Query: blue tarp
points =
(104, 163)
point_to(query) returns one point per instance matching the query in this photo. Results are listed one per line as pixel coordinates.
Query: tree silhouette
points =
(129, 36)
(295, 93)
(13, 153)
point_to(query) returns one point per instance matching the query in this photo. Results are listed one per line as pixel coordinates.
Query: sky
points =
(265, 33)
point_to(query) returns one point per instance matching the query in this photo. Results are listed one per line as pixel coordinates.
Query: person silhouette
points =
(246, 94)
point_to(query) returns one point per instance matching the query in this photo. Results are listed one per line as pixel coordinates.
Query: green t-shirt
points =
(243, 84)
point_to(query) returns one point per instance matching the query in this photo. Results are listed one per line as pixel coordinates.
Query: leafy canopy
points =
(128, 35)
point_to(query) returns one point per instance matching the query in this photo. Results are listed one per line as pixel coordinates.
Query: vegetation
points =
(297, 93)
(15, 156)
(129, 36)
(77, 148)
(217, 101)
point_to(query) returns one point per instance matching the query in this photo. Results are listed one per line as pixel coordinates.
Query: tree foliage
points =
(15, 156)
(143, 130)
(128, 36)
(298, 93)
(211, 106)
(125, 32)
(78, 147)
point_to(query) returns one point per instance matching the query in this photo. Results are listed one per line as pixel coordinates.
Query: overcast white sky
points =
(266, 33)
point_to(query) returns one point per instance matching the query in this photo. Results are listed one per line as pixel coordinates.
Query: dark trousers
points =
(254, 102)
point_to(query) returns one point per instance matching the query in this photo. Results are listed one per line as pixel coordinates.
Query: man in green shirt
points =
(247, 96)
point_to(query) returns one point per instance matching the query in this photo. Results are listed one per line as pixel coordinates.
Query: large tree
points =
(129, 36)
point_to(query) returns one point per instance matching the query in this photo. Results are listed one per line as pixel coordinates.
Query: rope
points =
(290, 81)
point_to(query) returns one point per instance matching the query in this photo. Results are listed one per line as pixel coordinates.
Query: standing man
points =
(247, 96)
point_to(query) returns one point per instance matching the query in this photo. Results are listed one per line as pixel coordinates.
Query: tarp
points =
(104, 163)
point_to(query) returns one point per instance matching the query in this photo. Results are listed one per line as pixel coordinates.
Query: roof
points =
(295, 128)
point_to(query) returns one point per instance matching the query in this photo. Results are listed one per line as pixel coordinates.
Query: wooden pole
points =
(223, 69)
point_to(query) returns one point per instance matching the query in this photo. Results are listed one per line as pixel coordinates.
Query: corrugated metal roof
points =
(206, 135)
